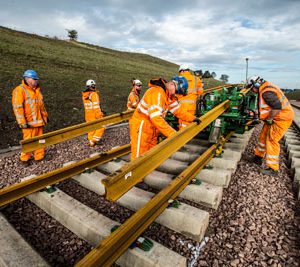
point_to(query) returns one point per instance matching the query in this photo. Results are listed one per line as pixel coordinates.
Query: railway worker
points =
(30, 112)
(277, 114)
(134, 96)
(148, 118)
(93, 111)
(195, 90)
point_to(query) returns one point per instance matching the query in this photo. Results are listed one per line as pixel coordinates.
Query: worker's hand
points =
(269, 121)
(23, 126)
(197, 120)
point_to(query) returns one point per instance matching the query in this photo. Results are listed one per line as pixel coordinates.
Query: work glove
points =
(23, 126)
(269, 121)
(197, 120)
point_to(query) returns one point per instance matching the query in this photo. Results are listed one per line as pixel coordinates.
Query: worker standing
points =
(134, 96)
(30, 112)
(92, 109)
(195, 90)
(277, 114)
(148, 118)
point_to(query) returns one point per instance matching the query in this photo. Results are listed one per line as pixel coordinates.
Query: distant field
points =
(294, 96)
(63, 68)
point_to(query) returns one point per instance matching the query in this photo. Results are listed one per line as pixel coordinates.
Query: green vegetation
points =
(65, 66)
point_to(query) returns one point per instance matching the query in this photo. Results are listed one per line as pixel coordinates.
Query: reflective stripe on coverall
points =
(189, 102)
(268, 141)
(147, 120)
(28, 106)
(133, 100)
(92, 109)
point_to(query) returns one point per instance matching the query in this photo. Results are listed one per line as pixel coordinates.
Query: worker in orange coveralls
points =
(30, 112)
(148, 118)
(195, 90)
(134, 96)
(277, 114)
(92, 109)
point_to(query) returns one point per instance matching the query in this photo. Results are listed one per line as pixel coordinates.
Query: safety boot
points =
(25, 163)
(257, 160)
(268, 171)
(92, 143)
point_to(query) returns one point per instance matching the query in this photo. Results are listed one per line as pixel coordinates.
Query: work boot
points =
(25, 163)
(92, 143)
(99, 143)
(257, 160)
(268, 171)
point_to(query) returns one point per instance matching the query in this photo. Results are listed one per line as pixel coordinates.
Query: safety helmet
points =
(90, 83)
(184, 67)
(182, 85)
(31, 74)
(136, 82)
(255, 81)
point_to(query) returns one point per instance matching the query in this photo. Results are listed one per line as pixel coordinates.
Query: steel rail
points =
(111, 248)
(121, 181)
(67, 133)
(22, 189)
(129, 175)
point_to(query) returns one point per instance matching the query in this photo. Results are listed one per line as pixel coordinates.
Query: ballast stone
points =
(14, 250)
(93, 227)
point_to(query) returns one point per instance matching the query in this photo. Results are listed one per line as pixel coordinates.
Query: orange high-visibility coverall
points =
(133, 99)
(189, 102)
(147, 120)
(29, 109)
(92, 109)
(268, 141)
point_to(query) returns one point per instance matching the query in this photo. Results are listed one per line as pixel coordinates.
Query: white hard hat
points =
(253, 79)
(137, 82)
(90, 83)
(184, 67)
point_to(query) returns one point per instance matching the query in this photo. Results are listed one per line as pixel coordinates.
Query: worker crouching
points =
(148, 118)
(92, 109)
(30, 112)
(277, 114)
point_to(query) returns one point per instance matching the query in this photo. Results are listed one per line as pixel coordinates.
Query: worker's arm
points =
(18, 107)
(95, 98)
(272, 100)
(180, 113)
(155, 109)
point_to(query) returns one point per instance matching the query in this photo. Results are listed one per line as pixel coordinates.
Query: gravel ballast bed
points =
(11, 170)
(257, 223)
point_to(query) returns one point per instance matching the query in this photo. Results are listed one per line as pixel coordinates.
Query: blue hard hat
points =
(182, 85)
(31, 74)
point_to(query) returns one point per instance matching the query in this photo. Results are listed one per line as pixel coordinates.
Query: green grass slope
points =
(63, 68)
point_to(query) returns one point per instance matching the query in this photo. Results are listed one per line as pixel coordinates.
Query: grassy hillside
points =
(63, 68)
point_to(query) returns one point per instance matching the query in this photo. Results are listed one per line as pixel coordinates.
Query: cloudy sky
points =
(210, 35)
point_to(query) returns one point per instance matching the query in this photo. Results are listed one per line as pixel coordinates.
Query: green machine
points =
(239, 117)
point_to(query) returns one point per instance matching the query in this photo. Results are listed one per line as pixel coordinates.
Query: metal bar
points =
(19, 190)
(64, 134)
(111, 248)
(129, 175)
